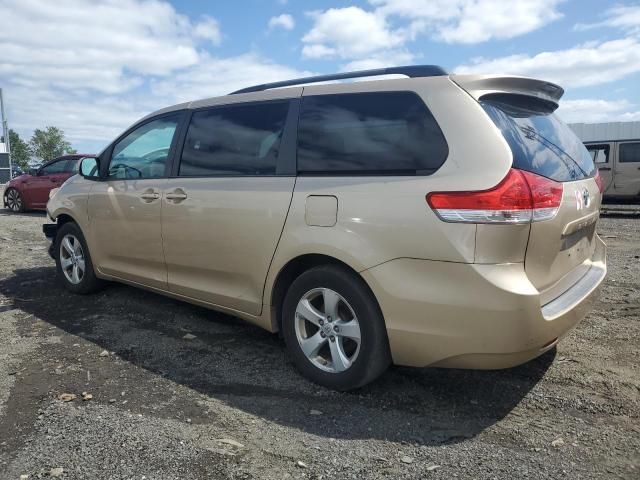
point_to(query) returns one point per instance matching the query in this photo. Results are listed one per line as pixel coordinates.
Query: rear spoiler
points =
(480, 85)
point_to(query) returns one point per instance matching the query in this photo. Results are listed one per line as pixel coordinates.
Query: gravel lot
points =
(228, 404)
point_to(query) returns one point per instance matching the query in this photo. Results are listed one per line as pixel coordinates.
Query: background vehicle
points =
(31, 191)
(615, 149)
(369, 222)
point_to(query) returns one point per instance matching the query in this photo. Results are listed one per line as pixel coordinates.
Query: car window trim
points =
(108, 152)
(286, 161)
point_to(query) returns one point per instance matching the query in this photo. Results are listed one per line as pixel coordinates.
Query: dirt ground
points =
(228, 404)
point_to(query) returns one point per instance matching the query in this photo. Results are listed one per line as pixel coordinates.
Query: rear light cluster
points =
(521, 197)
(599, 181)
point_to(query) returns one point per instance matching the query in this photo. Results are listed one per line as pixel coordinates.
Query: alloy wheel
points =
(14, 200)
(327, 330)
(72, 260)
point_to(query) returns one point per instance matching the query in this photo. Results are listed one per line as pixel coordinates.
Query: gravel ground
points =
(228, 404)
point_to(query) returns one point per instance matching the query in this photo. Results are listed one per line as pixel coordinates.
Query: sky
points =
(94, 67)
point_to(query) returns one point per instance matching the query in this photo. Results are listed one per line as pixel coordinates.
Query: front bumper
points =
(50, 231)
(476, 316)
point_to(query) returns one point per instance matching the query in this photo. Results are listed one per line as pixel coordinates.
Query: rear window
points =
(541, 143)
(382, 133)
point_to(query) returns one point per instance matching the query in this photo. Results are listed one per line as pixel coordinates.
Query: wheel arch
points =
(292, 270)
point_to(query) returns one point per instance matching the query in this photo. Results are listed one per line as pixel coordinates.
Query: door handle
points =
(604, 168)
(177, 195)
(150, 196)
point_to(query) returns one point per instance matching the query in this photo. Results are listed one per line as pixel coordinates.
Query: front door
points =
(124, 209)
(602, 154)
(627, 170)
(48, 177)
(224, 211)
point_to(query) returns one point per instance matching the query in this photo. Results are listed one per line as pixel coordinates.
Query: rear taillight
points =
(521, 197)
(599, 181)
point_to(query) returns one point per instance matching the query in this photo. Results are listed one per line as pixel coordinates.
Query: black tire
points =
(13, 200)
(89, 283)
(373, 357)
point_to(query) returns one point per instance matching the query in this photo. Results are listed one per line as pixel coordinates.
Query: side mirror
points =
(90, 168)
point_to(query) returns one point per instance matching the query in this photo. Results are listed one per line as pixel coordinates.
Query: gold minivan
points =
(435, 220)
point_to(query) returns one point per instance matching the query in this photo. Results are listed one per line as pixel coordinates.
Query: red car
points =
(28, 192)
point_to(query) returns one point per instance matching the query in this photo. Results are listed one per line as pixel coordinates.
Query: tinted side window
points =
(72, 165)
(143, 153)
(369, 133)
(234, 140)
(629, 152)
(53, 168)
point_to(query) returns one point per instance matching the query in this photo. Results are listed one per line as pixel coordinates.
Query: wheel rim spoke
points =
(308, 312)
(331, 300)
(350, 329)
(81, 266)
(74, 274)
(339, 359)
(66, 244)
(66, 262)
(312, 345)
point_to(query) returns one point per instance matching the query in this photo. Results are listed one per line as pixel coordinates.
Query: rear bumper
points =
(459, 315)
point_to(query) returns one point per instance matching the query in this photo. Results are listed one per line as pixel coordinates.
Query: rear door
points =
(602, 155)
(541, 143)
(225, 206)
(627, 171)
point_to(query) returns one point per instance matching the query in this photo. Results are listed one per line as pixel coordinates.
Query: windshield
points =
(541, 143)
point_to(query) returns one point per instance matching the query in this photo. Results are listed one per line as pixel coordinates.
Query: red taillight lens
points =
(521, 197)
(599, 181)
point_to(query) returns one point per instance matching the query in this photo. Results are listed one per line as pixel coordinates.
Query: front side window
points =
(369, 134)
(629, 152)
(599, 153)
(143, 153)
(54, 168)
(234, 140)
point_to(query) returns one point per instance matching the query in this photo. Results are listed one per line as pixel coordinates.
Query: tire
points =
(69, 238)
(13, 200)
(342, 362)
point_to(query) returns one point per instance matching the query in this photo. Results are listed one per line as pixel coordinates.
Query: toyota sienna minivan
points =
(435, 220)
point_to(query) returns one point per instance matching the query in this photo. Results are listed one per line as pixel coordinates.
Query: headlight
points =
(53, 192)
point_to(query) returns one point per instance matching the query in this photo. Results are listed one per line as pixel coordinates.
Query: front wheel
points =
(13, 200)
(73, 261)
(333, 328)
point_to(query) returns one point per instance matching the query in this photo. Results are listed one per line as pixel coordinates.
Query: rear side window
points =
(383, 133)
(599, 153)
(234, 140)
(629, 152)
(541, 143)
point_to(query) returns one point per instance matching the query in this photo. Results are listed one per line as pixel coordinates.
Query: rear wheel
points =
(333, 328)
(13, 200)
(73, 261)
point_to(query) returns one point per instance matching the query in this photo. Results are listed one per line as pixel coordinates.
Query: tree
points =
(20, 153)
(49, 143)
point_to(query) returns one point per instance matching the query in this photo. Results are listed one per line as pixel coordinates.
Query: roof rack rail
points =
(411, 71)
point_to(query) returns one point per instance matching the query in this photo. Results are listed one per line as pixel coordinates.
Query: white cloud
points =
(93, 68)
(590, 110)
(284, 21)
(625, 17)
(471, 21)
(580, 66)
(208, 29)
(349, 33)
